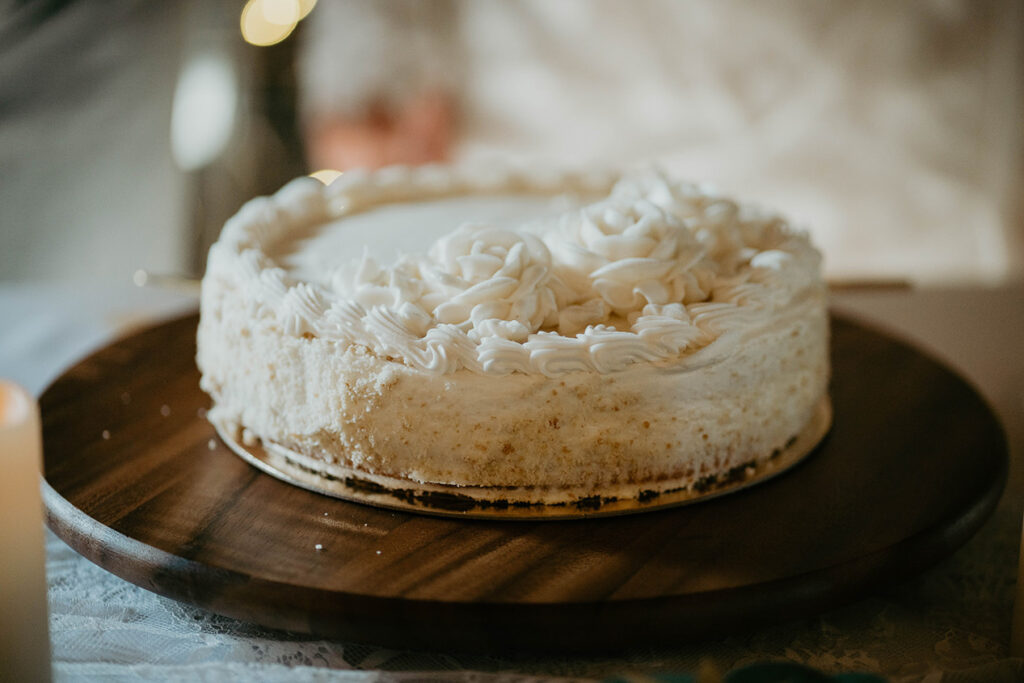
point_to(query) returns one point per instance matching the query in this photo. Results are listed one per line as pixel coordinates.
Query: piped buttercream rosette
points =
(629, 254)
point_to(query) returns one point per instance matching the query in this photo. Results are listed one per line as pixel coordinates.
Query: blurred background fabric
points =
(87, 185)
(129, 131)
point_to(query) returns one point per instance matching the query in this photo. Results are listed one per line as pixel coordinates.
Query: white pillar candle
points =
(24, 636)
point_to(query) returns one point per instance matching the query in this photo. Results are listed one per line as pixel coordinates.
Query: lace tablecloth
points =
(952, 623)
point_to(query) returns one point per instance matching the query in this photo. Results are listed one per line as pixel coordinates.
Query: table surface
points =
(953, 620)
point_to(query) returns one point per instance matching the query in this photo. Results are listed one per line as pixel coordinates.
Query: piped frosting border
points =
(653, 271)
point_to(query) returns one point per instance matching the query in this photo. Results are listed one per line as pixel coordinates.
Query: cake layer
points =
(510, 502)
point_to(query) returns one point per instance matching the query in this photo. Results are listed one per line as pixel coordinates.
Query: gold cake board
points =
(485, 502)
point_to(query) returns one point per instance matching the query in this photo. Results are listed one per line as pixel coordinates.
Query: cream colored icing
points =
(652, 271)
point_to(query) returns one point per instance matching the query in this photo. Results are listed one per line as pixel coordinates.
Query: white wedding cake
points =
(514, 339)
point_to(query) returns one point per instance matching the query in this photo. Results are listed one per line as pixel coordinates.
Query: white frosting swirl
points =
(653, 272)
(630, 254)
(485, 281)
(498, 280)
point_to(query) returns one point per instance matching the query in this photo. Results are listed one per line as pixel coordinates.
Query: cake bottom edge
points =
(486, 502)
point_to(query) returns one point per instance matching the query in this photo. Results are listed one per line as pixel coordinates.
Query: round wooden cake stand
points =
(137, 481)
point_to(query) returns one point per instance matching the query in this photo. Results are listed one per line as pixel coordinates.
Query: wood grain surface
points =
(137, 482)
